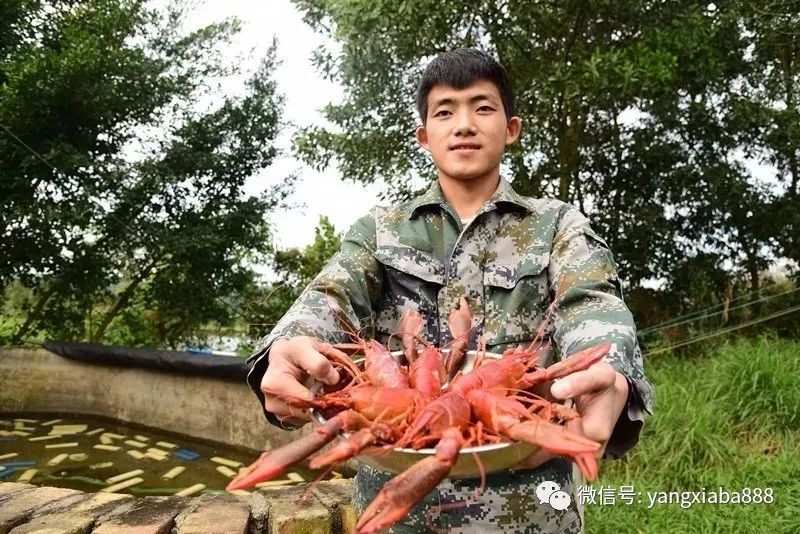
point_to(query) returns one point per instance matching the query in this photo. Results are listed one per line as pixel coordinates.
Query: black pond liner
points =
(224, 367)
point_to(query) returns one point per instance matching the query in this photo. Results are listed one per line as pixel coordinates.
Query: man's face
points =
(466, 130)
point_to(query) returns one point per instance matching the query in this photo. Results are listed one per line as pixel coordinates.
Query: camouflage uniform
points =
(509, 261)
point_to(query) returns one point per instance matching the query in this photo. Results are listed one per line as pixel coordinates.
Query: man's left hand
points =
(600, 394)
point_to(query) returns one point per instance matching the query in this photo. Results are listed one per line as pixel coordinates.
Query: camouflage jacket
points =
(510, 261)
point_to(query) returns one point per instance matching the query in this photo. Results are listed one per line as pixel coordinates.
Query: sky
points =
(305, 93)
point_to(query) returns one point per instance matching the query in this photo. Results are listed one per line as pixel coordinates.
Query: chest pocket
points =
(516, 297)
(412, 279)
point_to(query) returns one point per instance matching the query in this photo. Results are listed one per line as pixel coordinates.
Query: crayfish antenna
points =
(405, 490)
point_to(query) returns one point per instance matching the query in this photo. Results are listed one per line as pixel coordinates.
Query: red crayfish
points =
(390, 405)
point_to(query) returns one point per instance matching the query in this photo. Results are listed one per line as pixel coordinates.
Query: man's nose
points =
(464, 125)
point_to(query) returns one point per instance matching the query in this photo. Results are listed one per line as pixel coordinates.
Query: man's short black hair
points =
(461, 68)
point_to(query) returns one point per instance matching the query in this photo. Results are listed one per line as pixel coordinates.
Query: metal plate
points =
(493, 457)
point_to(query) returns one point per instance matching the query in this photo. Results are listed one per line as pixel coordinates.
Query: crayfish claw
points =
(405, 490)
(587, 463)
(275, 462)
(577, 362)
(401, 493)
(411, 324)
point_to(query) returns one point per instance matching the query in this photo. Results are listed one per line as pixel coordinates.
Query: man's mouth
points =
(465, 147)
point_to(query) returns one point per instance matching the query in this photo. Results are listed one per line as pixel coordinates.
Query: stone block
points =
(148, 515)
(348, 518)
(214, 514)
(19, 506)
(78, 517)
(293, 511)
(259, 513)
(10, 488)
(336, 496)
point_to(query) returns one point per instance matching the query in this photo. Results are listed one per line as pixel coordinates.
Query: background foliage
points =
(642, 113)
(121, 192)
(727, 419)
(672, 125)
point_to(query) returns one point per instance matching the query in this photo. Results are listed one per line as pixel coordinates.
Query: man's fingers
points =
(600, 415)
(284, 385)
(286, 413)
(597, 378)
(316, 365)
(279, 387)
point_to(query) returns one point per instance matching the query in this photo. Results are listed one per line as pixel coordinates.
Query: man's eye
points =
(486, 108)
(441, 113)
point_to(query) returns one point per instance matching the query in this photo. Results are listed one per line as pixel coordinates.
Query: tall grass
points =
(728, 419)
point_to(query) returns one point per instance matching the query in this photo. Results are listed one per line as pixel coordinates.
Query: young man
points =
(471, 235)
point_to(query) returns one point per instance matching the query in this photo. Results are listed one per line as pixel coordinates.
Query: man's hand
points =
(291, 362)
(600, 395)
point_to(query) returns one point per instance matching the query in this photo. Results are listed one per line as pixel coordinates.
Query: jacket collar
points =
(504, 194)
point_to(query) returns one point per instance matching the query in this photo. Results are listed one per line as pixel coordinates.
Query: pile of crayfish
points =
(391, 405)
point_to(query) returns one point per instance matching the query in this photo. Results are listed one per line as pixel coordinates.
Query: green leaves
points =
(638, 112)
(295, 269)
(119, 190)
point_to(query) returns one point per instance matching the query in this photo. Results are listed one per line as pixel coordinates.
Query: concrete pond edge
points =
(325, 508)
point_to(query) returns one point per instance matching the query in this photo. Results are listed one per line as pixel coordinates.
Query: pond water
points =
(91, 454)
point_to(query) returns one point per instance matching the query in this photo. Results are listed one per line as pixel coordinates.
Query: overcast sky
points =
(305, 93)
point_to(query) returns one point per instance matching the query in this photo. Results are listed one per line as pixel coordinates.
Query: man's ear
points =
(422, 137)
(513, 129)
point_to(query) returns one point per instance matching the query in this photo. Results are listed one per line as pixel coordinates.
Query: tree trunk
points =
(788, 74)
(121, 303)
(755, 282)
(568, 148)
(37, 310)
(727, 300)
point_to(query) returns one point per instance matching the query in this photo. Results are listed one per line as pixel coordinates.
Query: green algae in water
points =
(30, 441)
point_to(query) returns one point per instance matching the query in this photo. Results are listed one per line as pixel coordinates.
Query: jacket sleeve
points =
(589, 310)
(340, 300)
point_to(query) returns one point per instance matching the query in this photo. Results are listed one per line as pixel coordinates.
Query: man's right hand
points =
(291, 362)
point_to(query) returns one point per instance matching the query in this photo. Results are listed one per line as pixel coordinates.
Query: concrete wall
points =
(200, 407)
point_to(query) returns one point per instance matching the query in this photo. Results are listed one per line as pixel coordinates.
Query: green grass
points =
(727, 419)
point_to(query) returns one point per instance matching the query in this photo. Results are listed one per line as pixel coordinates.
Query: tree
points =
(768, 110)
(92, 229)
(631, 111)
(295, 269)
